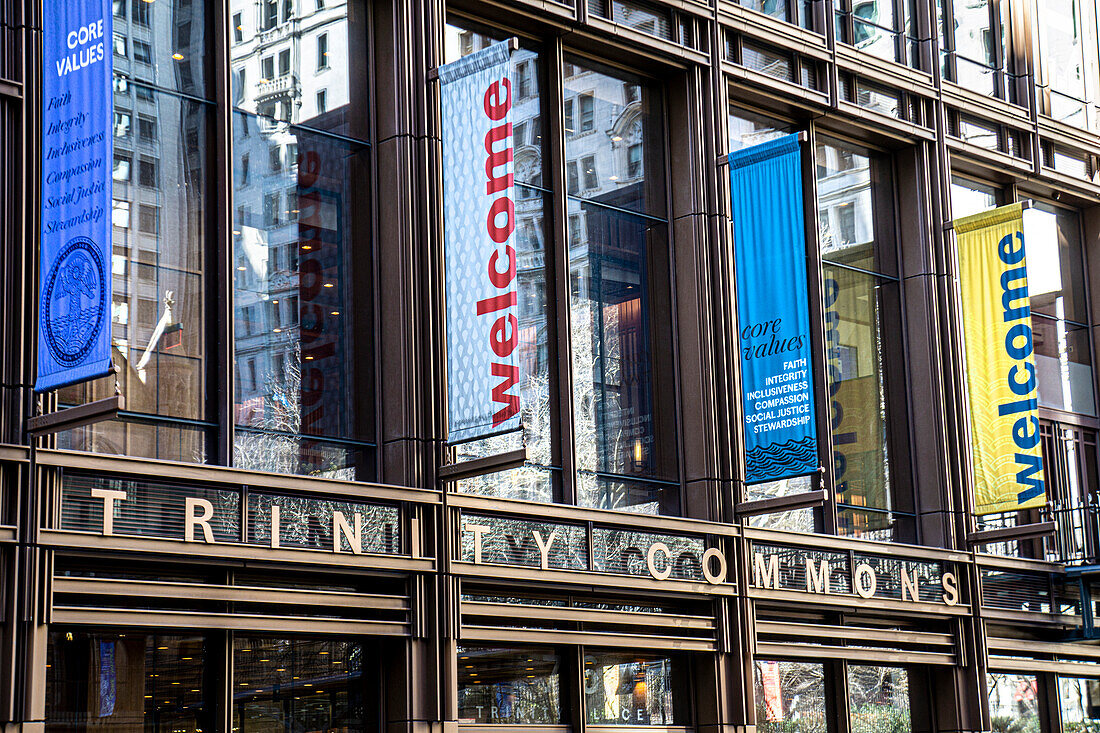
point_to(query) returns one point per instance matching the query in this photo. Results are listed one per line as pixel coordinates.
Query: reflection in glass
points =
(1013, 701)
(123, 682)
(297, 684)
(513, 542)
(625, 688)
(299, 62)
(613, 140)
(747, 129)
(618, 280)
(878, 699)
(790, 697)
(857, 406)
(531, 482)
(158, 265)
(970, 197)
(508, 686)
(1079, 700)
(302, 264)
(1061, 58)
(167, 44)
(309, 522)
(845, 207)
(626, 553)
(1056, 287)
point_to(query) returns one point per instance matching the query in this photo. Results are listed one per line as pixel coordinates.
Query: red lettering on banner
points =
(504, 332)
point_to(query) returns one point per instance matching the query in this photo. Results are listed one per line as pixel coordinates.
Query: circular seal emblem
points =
(74, 302)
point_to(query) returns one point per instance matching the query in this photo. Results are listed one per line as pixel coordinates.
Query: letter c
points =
(71, 39)
(650, 560)
(498, 278)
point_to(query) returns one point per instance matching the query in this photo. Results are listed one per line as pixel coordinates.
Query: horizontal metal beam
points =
(75, 417)
(1008, 534)
(775, 504)
(482, 466)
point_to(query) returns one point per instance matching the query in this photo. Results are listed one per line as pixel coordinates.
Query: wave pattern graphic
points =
(779, 460)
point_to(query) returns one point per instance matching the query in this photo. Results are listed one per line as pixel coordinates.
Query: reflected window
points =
(298, 684)
(860, 296)
(517, 686)
(878, 699)
(790, 697)
(1059, 315)
(118, 682)
(625, 688)
(975, 45)
(1064, 91)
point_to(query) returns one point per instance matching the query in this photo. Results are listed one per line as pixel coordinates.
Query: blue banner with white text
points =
(773, 311)
(74, 306)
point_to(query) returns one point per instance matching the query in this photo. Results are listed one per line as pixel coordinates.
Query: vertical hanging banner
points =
(479, 223)
(1000, 362)
(74, 306)
(773, 311)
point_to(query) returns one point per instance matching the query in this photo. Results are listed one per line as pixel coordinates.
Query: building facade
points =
(273, 532)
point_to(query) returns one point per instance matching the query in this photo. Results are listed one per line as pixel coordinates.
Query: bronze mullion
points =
(220, 298)
(558, 246)
(825, 520)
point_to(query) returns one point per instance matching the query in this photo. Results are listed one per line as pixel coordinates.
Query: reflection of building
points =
(277, 537)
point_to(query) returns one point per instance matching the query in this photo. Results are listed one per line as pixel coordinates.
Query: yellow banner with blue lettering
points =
(1000, 363)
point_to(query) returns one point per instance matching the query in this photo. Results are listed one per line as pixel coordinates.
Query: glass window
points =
(790, 697)
(975, 45)
(970, 197)
(1059, 313)
(110, 681)
(619, 271)
(860, 296)
(171, 45)
(878, 699)
(1079, 700)
(1061, 60)
(160, 344)
(513, 686)
(783, 9)
(533, 482)
(298, 684)
(625, 688)
(1013, 701)
(309, 411)
(874, 26)
(280, 78)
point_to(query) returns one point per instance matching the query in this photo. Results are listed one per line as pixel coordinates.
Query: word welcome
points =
(1020, 347)
(504, 333)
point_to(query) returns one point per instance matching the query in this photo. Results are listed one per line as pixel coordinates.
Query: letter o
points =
(502, 205)
(1020, 330)
(865, 570)
(714, 578)
(650, 561)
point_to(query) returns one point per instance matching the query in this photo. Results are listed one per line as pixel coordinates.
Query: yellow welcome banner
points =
(1000, 364)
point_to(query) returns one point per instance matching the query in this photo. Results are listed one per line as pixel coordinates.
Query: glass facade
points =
(275, 533)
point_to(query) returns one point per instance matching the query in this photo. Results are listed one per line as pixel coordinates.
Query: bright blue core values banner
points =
(74, 306)
(773, 311)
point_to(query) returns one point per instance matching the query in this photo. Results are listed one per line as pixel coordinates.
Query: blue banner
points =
(74, 307)
(773, 311)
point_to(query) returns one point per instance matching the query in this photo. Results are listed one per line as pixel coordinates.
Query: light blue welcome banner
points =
(74, 307)
(772, 311)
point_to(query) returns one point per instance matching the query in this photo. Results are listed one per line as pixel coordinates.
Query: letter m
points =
(510, 376)
(765, 573)
(497, 159)
(1031, 465)
(1009, 295)
(817, 576)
